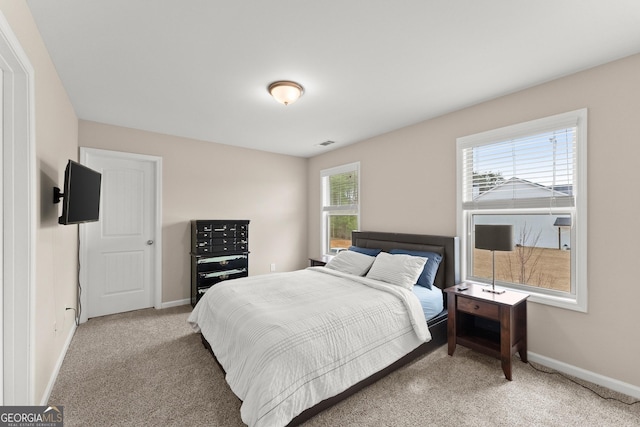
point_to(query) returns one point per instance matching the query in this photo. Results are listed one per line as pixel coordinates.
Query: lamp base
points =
(494, 291)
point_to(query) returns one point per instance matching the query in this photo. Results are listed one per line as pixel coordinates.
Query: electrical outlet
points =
(273, 266)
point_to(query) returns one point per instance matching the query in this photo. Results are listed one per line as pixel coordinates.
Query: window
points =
(532, 176)
(340, 206)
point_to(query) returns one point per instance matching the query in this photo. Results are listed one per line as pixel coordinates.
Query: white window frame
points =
(19, 202)
(578, 118)
(326, 210)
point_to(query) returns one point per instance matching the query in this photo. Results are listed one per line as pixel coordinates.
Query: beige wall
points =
(408, 180)
(56, 135)
(202, 180)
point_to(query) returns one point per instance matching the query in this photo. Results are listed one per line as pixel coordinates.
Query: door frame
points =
(156, 288)
(19, 224)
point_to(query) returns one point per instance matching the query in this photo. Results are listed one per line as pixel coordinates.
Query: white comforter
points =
(287, 341)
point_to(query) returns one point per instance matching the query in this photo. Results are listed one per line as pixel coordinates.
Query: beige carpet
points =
(148, 368)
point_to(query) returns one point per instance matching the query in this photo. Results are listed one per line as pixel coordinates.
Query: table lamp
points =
(494, 238)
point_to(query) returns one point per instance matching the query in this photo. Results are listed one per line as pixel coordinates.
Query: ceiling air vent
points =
(326, 143)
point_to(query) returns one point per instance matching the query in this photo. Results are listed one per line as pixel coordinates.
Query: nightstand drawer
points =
(479, 308)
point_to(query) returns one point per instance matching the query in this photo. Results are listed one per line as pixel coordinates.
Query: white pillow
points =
(399, 269)
(351, 262)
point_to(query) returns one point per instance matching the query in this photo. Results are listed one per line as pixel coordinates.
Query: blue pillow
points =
(428, 275)
(366, 251)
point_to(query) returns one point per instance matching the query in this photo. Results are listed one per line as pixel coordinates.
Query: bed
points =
(262, 329)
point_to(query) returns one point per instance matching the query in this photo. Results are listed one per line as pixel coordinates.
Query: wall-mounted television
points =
(81, 196)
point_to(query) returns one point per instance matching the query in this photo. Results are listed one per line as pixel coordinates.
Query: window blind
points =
(342, 192)
(529, 171)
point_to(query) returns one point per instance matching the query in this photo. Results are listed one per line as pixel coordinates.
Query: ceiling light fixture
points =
(286, 92)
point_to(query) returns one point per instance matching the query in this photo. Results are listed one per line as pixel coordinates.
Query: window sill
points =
(569, 303)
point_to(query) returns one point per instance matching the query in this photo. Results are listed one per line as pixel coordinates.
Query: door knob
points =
(149, 242)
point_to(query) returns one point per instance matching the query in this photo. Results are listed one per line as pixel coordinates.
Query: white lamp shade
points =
(286, 92)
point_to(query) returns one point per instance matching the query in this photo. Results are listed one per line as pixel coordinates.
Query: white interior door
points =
(120, 254)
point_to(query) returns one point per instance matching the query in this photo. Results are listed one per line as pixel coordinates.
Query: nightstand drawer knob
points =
(476, 307)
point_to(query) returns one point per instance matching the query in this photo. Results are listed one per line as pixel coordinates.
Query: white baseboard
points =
(583, 374)
(176, 303)
(56, 369)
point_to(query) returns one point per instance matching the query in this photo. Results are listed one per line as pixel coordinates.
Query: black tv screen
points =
(81, 194)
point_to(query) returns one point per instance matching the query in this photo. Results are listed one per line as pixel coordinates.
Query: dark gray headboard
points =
(449, 247)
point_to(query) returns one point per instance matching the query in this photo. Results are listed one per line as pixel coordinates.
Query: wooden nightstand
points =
(320, 261)
(494, 324)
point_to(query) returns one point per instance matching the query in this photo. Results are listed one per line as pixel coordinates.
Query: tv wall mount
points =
(57, 195)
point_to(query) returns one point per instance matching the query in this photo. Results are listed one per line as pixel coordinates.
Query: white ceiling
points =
(200, 68)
